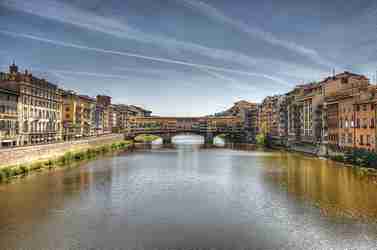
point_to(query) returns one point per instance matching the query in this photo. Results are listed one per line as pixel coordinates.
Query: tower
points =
(13, 69)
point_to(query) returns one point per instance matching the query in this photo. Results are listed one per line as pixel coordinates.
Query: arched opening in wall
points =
(146, 138)
(219, 140)
(188, 139)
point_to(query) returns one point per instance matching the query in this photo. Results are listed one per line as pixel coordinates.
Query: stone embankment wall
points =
(22, 155)
(307, 149)
(317, 150)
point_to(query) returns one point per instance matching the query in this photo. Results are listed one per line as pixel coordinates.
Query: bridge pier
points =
(208, 138)
(166, 139)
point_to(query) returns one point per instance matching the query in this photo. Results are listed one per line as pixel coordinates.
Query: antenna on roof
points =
(333, 72)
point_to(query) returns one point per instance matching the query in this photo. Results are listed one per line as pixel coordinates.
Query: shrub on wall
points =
(261, 139)
(264, 140)
(361, 157)
(146, 138)
(24, 169)
(2, 175)
(339, 158)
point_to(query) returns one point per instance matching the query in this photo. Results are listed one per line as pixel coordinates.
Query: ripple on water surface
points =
(194, 198)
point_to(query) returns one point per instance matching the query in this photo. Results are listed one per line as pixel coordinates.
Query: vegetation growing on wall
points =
(222, 136)
(68, 159)
(358, 157)
(146, 138)
(263, 140)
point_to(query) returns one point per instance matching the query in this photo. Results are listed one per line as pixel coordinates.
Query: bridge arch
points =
(220, 140)
(147, 138)
(167, 135)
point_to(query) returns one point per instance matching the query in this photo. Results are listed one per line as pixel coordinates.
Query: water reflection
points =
(188, 140)
(336, 190)
(190, 197)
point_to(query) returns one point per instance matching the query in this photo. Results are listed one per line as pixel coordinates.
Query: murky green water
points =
(190, 198)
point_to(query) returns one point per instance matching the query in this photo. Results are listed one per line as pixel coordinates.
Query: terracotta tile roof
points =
(344, 74)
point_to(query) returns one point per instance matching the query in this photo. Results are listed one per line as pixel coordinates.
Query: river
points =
(188, 197)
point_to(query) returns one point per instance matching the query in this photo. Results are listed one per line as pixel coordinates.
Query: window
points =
(350, 138)
(365, 107)
(372, 106)
(357, 107)
(357, 123)
(372, 123)
(25, 127)
(365, 123)
(343, 139)
(361, 139)
(368, 140)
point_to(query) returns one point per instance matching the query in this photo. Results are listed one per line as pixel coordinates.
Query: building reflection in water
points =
(337, 190)
(187, 147)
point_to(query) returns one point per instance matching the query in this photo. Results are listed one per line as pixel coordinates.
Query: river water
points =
(192, 198)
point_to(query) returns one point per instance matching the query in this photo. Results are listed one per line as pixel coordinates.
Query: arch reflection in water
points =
(179, 140)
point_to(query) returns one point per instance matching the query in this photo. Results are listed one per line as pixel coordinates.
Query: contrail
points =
(217, 15)
(235, 83)
(149, 58)
(67, 13)
(88, 74)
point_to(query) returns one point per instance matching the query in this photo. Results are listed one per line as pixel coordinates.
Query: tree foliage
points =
(361, 157)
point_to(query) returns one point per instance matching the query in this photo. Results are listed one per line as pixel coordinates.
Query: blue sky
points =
(187, 57)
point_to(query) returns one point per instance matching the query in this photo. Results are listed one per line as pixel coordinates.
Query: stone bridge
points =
(167, 135)
(168, 127)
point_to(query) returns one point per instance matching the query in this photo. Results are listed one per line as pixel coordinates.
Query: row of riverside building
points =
(35, 111)
(338, 113)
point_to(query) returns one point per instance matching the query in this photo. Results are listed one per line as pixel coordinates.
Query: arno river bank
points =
(189, 197)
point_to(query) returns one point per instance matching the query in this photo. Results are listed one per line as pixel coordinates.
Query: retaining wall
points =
(21, 155)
